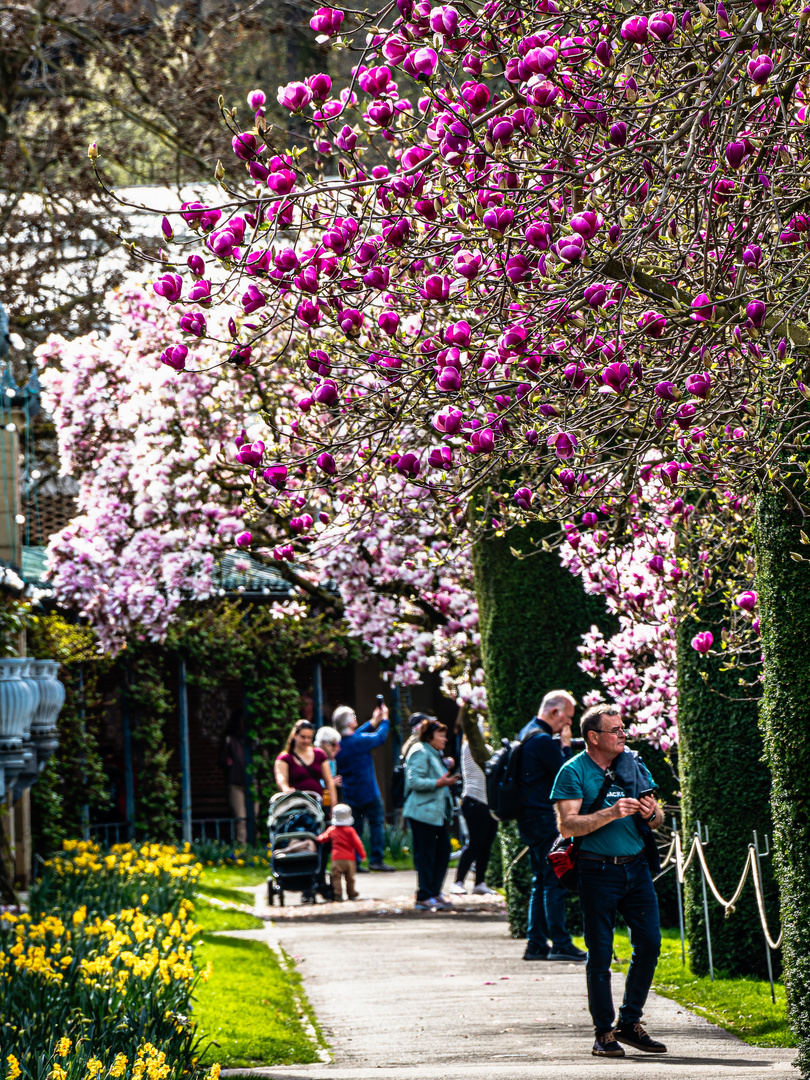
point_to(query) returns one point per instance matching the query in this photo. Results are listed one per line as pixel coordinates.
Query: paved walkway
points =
(406, 995)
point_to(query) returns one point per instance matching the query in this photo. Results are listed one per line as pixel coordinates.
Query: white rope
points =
(761, 907)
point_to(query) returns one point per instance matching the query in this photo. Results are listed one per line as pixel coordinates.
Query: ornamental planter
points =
(51, 697)
(18, 700)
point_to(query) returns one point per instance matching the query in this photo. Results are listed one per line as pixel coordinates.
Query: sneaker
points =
(635, 1035)
(570, 953)
(606, 1046)
(442, 903)
(381, 868)
(458, 889)
(531, 954)
(484, 890)
(427, 905)
(362, 869)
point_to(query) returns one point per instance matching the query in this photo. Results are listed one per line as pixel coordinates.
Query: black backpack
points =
(503, 779)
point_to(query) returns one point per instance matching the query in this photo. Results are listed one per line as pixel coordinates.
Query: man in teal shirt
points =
(613, 873)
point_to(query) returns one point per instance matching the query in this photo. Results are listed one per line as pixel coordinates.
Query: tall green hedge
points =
(532, 614)
(784, 591)
(725, 784)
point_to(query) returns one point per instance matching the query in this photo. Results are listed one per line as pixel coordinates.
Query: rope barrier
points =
(761, 908)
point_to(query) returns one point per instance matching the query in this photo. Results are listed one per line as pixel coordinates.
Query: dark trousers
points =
(373, 813)
(604, 890)
(482, 828)
(431, 857)
(546, 920)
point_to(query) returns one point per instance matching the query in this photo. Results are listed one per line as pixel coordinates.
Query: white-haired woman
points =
(328, 740)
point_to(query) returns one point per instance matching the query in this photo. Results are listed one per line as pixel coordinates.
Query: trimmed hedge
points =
(532, 614)
(725, 785)
(784, 594)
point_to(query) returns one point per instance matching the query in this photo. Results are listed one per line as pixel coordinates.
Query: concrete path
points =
(406, 995)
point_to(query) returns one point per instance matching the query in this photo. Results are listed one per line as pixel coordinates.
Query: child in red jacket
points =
(346, 845)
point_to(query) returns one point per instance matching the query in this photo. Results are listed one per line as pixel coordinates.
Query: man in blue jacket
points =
(546, 748)
(356, 767)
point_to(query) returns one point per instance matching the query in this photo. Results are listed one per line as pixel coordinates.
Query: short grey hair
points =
(342, 717)
(327, 735)
(556, 699)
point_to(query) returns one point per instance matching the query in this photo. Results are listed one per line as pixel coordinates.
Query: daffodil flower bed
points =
(89, 990)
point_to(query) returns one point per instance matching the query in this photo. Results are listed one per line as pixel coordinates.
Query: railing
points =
(119, 832)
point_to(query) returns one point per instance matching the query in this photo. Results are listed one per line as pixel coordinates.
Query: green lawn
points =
(232, 876)
(216, 918)
(249, 1007)
(741, 1006)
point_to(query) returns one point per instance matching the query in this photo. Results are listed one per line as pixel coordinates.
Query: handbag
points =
(563, 853)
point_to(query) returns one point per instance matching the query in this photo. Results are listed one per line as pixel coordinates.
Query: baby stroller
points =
(295, 821)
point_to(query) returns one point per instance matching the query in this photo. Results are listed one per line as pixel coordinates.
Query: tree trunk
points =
(725, 785)
(532, 614)
(784, 591)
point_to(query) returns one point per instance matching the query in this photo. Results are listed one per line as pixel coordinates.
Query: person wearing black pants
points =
(481, 826)
(431, 855)
(428, 809)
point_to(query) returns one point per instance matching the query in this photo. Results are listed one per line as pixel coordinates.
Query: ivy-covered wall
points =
(532, 614)
(784, 595)
(725, 784)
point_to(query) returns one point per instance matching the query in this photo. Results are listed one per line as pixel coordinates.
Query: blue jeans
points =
(374, 813)
(604, 890)
(547, 899)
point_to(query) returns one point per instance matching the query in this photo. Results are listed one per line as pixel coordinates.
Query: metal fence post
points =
(679, 891)
(758, 868)
(706, 903)
(129, 778)
(185, 758)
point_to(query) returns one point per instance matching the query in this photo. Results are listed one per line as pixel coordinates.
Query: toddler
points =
(346, 845)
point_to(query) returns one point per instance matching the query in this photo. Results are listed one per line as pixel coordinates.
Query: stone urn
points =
(18, 700)
(50, 700)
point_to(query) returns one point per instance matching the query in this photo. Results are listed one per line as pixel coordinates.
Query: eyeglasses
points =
(617, 731)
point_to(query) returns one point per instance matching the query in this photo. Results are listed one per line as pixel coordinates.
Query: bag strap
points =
(610, 776)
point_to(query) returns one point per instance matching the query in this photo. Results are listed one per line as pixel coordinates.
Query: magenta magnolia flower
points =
(436, 287)
(586, 224)
(448, 420)
(244, 539)
(253, 299)
(616, 377)
(604, 53)
(759, 69)
(350, 322)
(193, 322)
(563, 443)
(424, 62)
(747, 601)
(618, 133)
(752, 257)
(251, 454)
(702, 308)
(458, 334)
(656, 564)
(441, 457)
(575, 375)
(668, 391)
(596, 295)
(245, 145)
(523, 497)
(295, 96)
(699, 384)
(635, 29)
(276, 476)
(736, 152)
(388, 322)
(444, 20)
(256, 98)
(175, 357)
(467, 264)
(449, 379)
(652, 324)
(408, 465)
(326, 392)
(538, 234)
(756, 312)
(703, 642)
(570, 248)
(170, 287)
(326, 463)
(326, 21)
(200, 292)
(662, 25)
(498, 219)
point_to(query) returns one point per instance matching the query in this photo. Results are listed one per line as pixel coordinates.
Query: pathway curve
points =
(407, 995)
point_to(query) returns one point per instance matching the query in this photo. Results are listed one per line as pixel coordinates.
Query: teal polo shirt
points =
(581, 778)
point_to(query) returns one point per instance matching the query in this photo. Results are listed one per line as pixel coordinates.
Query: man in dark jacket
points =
(359, 779)
(547, 746)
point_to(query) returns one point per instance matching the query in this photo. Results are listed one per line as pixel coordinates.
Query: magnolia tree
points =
(559, 243)
(162, 495)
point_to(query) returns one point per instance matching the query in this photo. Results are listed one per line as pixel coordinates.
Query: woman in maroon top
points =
(302, 766)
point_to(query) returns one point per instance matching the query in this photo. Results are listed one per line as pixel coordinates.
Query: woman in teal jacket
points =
(429, 810)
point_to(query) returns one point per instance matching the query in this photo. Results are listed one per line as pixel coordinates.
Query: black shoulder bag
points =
(563, 853)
